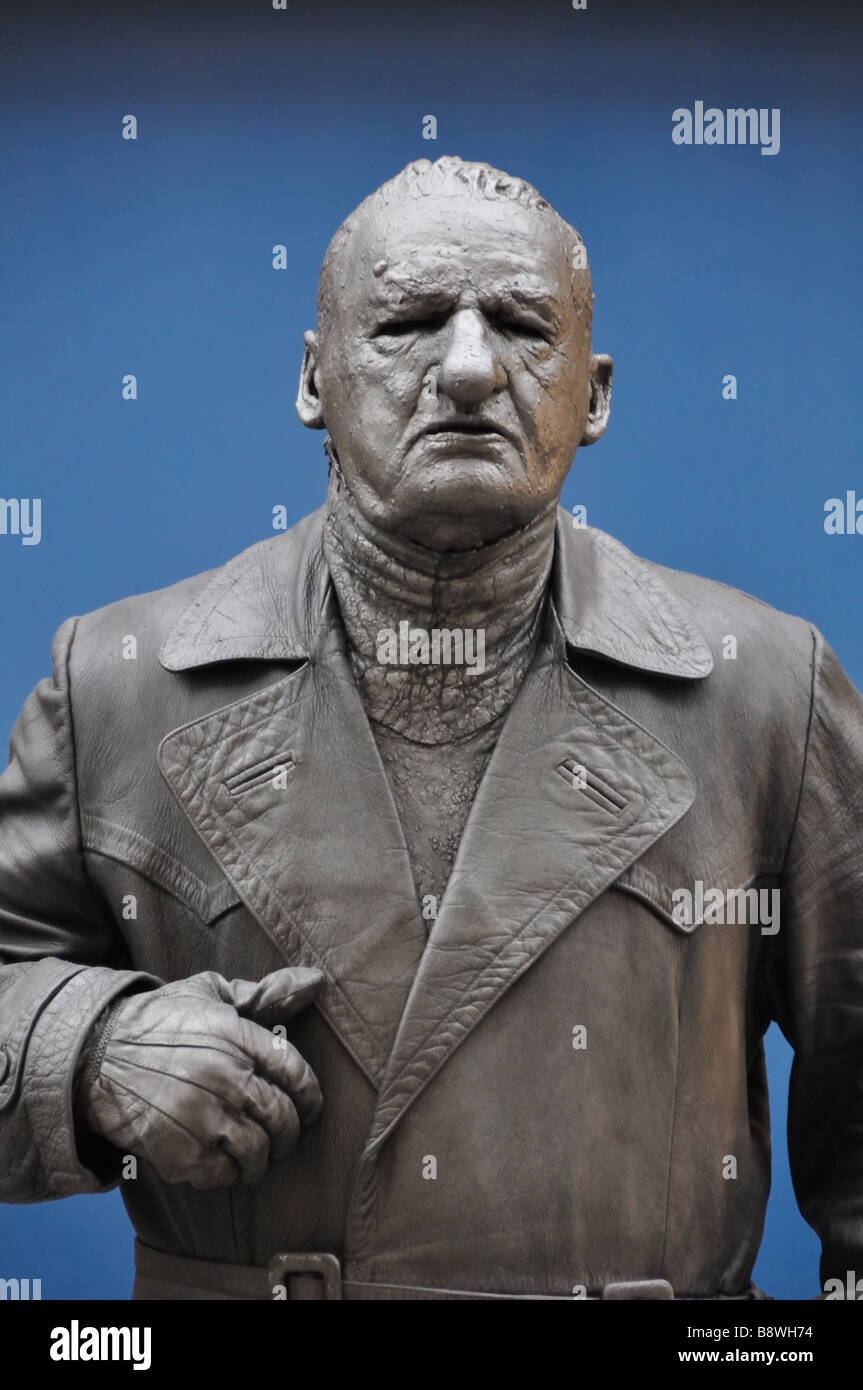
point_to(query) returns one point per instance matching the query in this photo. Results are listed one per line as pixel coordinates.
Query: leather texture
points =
(317, 1278)
(144, 839)
(187, 1078)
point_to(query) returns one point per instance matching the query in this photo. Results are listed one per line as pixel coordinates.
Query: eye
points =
(400, 328)
(523, 328)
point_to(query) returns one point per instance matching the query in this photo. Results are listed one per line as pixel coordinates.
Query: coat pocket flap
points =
(208, 901)
(687, 899)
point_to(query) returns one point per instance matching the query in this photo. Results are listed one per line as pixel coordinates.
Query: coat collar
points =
(318, 854)
(266, 605)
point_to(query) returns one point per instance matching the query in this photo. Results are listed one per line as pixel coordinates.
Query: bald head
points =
(448, 178)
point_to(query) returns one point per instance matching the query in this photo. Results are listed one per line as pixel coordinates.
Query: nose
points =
(470, 371)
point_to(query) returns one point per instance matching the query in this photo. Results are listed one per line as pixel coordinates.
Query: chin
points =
(460, 485)
(463, 523)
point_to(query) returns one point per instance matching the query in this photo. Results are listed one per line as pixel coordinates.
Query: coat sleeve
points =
(62, 959)
(816, 971)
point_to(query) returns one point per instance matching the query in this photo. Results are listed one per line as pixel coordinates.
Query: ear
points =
(308, 401)
(601, 368)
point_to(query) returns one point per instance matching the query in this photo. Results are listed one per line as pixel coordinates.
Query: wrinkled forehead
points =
(443, 243)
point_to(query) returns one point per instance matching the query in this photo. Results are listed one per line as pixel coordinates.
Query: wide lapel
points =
(575, 791)
(288, 792)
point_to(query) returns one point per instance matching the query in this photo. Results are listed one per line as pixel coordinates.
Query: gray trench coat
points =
(579, 1056)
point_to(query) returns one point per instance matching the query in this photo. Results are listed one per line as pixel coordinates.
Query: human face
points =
(453, 370)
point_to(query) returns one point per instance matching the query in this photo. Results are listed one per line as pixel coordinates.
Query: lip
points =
(477, 429)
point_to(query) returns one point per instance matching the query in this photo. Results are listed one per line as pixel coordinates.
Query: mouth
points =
(477, 429)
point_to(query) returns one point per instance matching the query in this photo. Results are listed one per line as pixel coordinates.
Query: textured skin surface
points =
(497, 590)
(434, 789)
(554, 1166)
(436, 725)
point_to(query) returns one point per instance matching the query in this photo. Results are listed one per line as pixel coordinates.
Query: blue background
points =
(259, 127)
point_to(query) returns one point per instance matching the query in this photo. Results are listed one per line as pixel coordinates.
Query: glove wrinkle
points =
(181, 1078)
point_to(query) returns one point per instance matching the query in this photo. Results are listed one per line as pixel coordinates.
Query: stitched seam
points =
(673, 1118)
(239, 1056)
(834, 1190)
(18, 1043)
(316, 955)
(160, 867)
(235, 704)
(513, 940)
(94, 1066)
(73, 753)
(493, 964)
(368, 1062)
(806, 747)
(322, 965)
(189, 1081)
(134, 840)
(164, 1113)
(625, 885)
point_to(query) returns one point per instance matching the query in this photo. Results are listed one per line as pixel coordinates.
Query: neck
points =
(394, 595)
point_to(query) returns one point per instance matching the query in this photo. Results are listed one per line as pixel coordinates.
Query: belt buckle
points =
(639, 1288)
(305, 1275)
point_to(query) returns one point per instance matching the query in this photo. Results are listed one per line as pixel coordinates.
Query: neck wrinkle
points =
(382, 580)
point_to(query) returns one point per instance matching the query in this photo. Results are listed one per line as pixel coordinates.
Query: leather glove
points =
(189, 1078)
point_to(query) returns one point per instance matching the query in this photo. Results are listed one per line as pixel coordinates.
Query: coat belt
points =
(317, 1277)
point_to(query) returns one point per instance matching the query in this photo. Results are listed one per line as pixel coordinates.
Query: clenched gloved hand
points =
(190, 1078)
